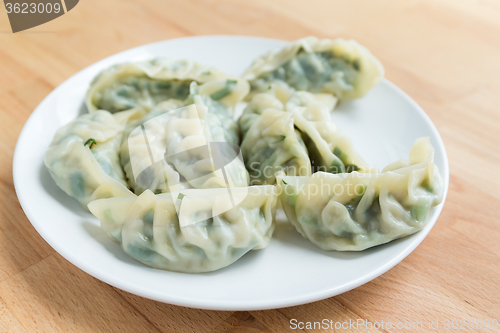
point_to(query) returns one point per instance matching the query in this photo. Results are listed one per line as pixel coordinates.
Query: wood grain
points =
(444, 53)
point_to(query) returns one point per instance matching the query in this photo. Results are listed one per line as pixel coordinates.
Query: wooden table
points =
(445, 54)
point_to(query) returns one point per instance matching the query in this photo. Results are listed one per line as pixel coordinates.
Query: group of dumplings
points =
(142, 160)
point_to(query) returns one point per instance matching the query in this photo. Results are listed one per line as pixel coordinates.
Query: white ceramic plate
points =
(383, 126)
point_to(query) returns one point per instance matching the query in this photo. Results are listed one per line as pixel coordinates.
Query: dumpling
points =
(83, 156)
(355, 211)
(226, 92)
(190, 231)
(258, 104)
(222, 125)
(343, 68)
(170, 150)
(329, 149)
(145, 84)
(223, 128)
(148, 169)
(272, 145)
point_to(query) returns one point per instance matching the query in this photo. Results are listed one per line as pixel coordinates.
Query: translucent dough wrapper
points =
(147, 83)
(340, 67)
(192, 230)
(89, 171)
(272, 145)
(328, 149)
(355, 211)
(190, 147)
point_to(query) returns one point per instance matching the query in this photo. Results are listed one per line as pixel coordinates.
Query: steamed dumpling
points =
(84, 170)
(271, 145)
(147, 83)
(221, 121)
(355, 211)
(190, 231)
(339, 67)
(329, 149)
(142, 153)
(169, 150)
(258, 104)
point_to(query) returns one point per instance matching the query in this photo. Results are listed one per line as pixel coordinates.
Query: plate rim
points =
(239, 305)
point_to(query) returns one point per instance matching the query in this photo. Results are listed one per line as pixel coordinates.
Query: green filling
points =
(90, 142)
(163, 85)
(142, 254)
(149, 217)
(130, 92)
(148, 224)
(351, 205)
(309, 220)
(228, 88)
(347, 234)
(315, 72)
(77, 185)
(350, 168)
(427, 186)
(337, 152)
(363, 190)
(344, 158)
(337, 166)
(263, 166)
(374, 209)
(419, 212)
(355, 64)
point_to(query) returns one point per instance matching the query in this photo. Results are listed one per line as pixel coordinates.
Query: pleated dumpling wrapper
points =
(83, 156)
(147, 83)
(355, 211)
(189, 147)
(297, 137)
(272, 144)
(330, 150)
(340, 67)
(193, 230)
